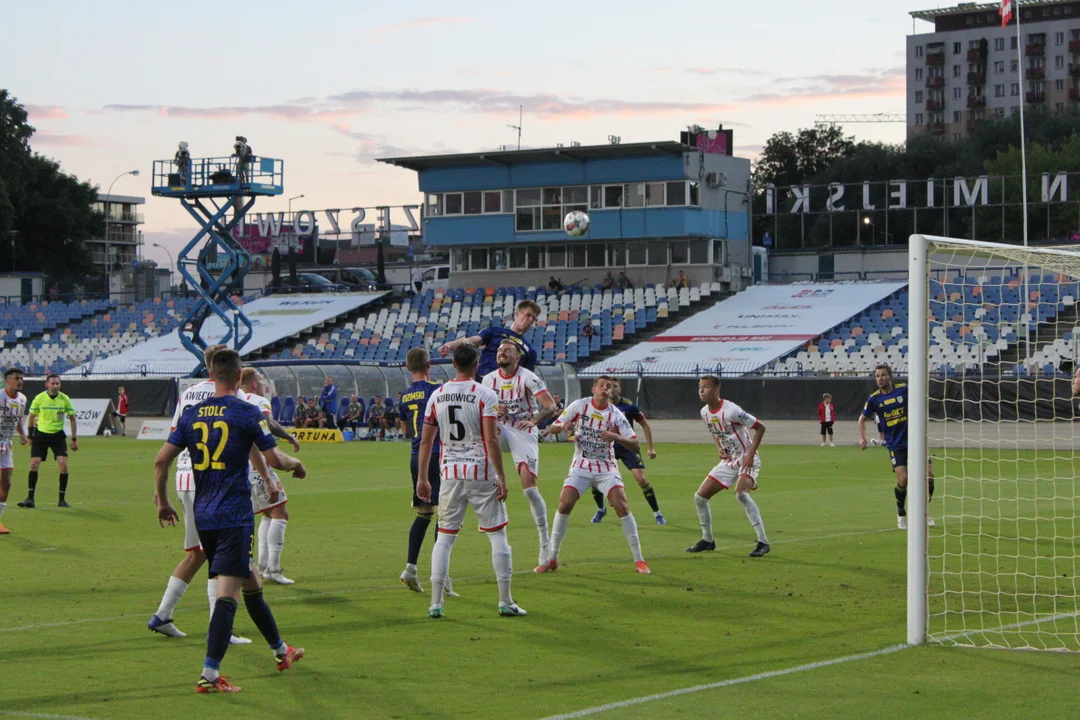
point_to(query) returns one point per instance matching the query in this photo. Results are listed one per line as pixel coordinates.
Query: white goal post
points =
(993, 345)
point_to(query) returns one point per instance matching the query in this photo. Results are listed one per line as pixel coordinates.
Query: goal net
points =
(994, 336)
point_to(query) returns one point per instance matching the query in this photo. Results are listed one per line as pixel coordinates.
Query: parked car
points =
(436, 277)
(307, 283)
(357, 278)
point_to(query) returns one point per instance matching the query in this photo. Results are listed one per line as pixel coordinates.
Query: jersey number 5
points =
(208, 461)
(457, 432)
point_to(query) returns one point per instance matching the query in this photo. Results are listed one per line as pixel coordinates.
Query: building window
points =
(492, 201)
(518, 258)
(999, 66)
(957, 93)
(694, 195)
(433, 205)
(918, 96)
(918, 118)
(957, 48)
(956, 116)
(536, 258)
(918, 73)
(999, 44)
(552, 217)
(999, 91)
(1014, 89)
(595, 255)
(478, 259)
(527, 219)
(1012, 42)
(676, 193)
(1058, 107)
(498, 258)
(918, 50)
(596, 197)
(658, 254)
(474, 203)
(557, 256)
(1059, 85)
(1059, 61)
(680, 252)
(635, 253)
(699, 252)
(1059, 37)
(654, 194)
(955, 137)
(956, 70)
(452, 203)
(613, 196)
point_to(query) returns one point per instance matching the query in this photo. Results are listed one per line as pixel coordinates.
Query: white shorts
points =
(191, 535)
(260, 496)
(583, 481)
(728, 471)
(522, 446)
(456, 494)
(7, 461)
(185, 481)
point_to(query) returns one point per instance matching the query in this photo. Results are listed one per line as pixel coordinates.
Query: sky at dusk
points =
(330, 86)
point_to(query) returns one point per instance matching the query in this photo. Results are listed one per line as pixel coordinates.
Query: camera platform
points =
(217, 193)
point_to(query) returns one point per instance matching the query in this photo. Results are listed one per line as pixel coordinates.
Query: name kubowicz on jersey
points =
(458, 407)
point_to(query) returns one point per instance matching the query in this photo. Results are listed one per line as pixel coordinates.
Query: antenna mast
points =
(518, 126)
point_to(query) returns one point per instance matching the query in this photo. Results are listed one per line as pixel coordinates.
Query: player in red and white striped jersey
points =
(462, 414)
(739, 465)
(194, 557)
(524, 402)
(12, 409)
(597, 426)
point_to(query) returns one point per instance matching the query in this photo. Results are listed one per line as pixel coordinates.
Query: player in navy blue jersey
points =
(631, 459)
(411, 416)
(490, 338)
(222, 433)
(890, 403)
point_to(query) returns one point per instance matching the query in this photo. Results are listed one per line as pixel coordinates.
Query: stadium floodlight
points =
(991, 361)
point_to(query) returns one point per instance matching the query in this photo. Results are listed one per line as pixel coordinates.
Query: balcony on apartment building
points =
(937, 128)
(1074, 94)
(976, 101)
(932, 105)
(935, 58)
(1035, 49)
(1035, 73)
(1074, 70)
(976, 56)
(973, 123)
(1036, 97)
(935, 81)
(976, 78)
(1074, 46)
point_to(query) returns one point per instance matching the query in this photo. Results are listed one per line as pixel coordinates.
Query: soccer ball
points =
(107, 432)
(576, 223)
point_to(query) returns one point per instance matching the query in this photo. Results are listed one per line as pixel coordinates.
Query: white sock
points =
(210, 673)
(173, 592)
(629, 528)
(275, 541)
(558, 530)
(704, 515)
(502, 562)
(753, 515)
(539, 513)
(264, 552)
(440, 566)
(211, 594)
(3, 506)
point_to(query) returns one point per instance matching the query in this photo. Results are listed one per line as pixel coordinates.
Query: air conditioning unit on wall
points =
(716, 179)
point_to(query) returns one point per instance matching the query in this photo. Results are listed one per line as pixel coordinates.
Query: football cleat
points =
(595, 518)
(165, 627)
(409, 579)
(278, 576)
(62, 503)
(901, 522)
(701, 546)
(930, 521)
(237, 640)
(659, 518)
(27, 503)
(4, 530)
(512, 610)
(448, 588)
(642, 567)
(292, 654)
(760, 550)
(215, 686)
(435, 613)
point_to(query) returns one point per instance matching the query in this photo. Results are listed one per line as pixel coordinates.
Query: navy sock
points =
(650, 497)
(901, 499)
(262, 617)
(599, 498)
(416, 536)
(221, 625)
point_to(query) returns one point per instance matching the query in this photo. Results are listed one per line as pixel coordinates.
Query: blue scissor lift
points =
(218, 193)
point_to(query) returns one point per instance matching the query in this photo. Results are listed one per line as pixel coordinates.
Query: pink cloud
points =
(44, 138)
(45, 112)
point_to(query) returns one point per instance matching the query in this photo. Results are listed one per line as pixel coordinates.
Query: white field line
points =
(15, 713)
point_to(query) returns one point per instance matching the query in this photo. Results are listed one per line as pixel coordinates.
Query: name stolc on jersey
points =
(457, 409)
(591, 452)
(518, 394)
(185, 480)
(730, 425)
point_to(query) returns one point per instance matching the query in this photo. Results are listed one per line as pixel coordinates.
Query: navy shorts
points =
(434, 477)
(632, 461)
(898, 457)
(228, 551)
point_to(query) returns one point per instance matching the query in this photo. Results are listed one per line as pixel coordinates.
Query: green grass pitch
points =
(77, 587)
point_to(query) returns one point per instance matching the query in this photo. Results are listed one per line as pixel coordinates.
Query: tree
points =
(793, 159)
(49, 210)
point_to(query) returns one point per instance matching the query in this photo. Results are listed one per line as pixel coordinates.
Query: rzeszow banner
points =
(89, 415)
(747, 331)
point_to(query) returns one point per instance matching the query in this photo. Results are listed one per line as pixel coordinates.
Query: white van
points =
(435, 277)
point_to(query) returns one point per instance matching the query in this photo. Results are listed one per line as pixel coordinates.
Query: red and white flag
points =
(1005, 12)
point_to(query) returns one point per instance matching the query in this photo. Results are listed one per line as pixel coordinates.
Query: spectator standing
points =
(328, 401)
(416, 277)
(826, 414)
(121, 409)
